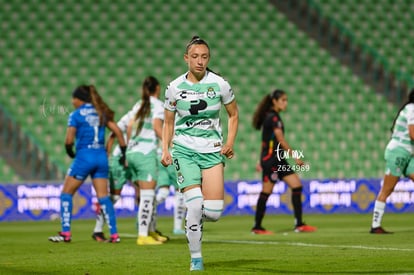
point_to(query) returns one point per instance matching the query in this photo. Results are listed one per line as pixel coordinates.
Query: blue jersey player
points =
(86, 126)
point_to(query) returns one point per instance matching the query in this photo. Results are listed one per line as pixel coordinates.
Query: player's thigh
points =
(71, 184)
(143, 167)
(188, 172)
(292, 180)
(213, 182)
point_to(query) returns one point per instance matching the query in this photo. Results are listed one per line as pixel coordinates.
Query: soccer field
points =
(342, 245)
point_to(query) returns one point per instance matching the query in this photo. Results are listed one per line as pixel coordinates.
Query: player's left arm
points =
(232, 126)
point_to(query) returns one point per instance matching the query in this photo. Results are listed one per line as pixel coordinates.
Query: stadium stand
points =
(7, 174)
(50, 47)
(383, 25)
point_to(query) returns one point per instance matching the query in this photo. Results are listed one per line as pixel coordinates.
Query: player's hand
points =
(259, 167)
(69, 150)
(166, 159)
(227, 151)
(299, 162)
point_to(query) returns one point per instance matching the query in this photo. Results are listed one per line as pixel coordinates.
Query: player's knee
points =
(212, 210)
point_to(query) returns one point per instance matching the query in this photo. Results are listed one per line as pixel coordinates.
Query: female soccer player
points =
(119, 175)
(143, 132)
(398, 160)
(192, 106)
(87, 125)
(273, 164)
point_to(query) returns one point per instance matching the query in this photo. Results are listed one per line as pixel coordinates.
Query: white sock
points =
(379, 209)
(153, 224)
(162, 195)
(212, 210)
(100, 220)
(179, 211)
(193, 200)
(145, 211)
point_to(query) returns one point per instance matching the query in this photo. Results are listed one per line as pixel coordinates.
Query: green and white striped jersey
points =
(400, 136)
(123, 125)
(197, 107)
(146, 141)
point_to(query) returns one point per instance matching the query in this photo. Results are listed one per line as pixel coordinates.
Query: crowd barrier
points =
(40, 201)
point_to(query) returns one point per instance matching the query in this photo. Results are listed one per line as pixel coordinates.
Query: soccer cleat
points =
(261, 231)
(114, 238)
(61, 237)
(379, 230)
(99, 237)
(305, 228)
(179, 232)
(157, 235)
(196, 264)
(147, 240)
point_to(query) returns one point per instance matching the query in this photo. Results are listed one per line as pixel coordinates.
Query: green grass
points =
(342, 245)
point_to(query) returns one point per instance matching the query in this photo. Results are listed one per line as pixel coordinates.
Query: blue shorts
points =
(91, 162)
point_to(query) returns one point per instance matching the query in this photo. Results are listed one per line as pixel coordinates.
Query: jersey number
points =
(95, 139)
(196, 106)
(177, 165)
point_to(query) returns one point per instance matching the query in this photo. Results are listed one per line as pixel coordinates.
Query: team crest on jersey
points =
(180, 178)
(211, 93)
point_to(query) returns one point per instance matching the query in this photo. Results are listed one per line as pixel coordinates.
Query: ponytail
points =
(104, 112)
(149, 87)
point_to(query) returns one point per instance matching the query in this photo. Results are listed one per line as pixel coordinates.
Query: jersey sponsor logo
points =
(186, 94)
(197, 105)
(217, 144)
(85, 112)
(200, 123)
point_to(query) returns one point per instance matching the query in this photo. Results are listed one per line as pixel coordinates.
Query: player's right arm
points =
(70, 140)
(167, 134)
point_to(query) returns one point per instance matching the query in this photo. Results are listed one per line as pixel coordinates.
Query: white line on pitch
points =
(126, 235)
(313, 245)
